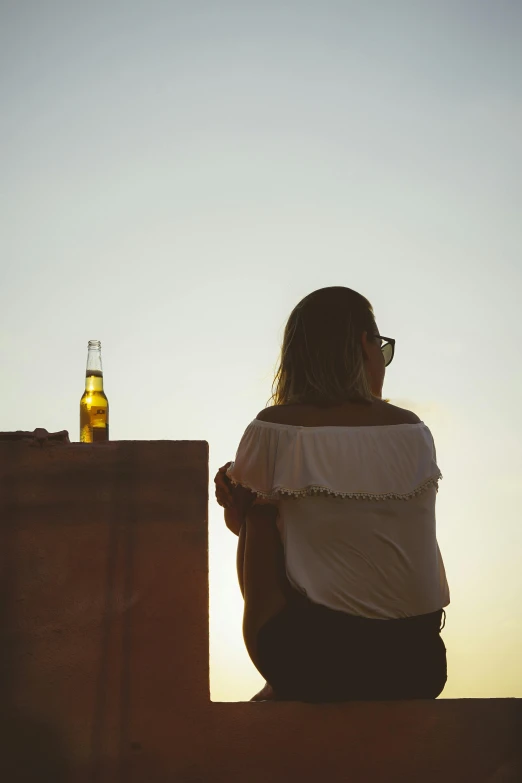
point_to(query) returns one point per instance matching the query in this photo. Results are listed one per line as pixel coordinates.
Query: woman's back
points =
(355, 488)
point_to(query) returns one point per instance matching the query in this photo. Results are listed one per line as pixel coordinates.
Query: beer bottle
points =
(94, 405)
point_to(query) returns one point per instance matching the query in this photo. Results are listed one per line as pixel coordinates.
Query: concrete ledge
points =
(104, 646)
(419, 741)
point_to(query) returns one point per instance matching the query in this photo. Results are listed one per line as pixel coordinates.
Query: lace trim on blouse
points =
(315, 489)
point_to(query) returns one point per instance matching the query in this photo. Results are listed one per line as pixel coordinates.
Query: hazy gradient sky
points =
(176, 176)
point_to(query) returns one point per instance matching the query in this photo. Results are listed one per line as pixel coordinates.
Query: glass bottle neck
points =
(94, 371)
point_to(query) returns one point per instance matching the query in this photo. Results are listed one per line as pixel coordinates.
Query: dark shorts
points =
(313, 653)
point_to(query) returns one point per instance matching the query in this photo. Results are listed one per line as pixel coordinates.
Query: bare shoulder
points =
(378, 414)
(402, 415)
(284, 414)
(272, 413)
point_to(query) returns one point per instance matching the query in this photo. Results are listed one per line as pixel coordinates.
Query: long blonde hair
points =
(321, 360)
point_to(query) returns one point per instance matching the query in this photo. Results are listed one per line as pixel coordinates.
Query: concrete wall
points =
(104, 646)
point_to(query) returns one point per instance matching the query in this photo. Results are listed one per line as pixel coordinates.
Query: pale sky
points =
(176, 176)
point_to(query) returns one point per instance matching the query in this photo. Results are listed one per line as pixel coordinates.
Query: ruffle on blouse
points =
(367, 463)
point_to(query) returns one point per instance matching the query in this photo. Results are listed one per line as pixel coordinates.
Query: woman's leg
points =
(265, 587)
(266, 692)
(240, 560)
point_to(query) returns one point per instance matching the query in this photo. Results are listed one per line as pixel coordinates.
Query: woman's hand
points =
(224, 487)
(234, 499)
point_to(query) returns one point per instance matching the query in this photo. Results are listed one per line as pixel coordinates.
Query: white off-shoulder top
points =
(356, 512)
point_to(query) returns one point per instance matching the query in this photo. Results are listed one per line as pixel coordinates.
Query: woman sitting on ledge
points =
(332, 494)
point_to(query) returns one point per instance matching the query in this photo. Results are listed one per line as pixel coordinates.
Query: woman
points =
(332, 494)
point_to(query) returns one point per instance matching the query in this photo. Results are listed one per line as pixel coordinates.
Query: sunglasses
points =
(387, 348)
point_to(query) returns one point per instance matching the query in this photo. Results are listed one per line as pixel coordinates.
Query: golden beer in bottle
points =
(94, 405)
